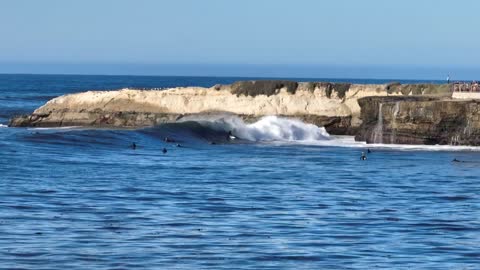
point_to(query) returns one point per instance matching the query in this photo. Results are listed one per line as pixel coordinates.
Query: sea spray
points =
(273, 128)
(268, 128)
(467, 130)
(393, 134)
(378, 131)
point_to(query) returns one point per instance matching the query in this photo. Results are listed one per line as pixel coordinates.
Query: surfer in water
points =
(363, 157)
(164, 150)
(167, 139)
(133, 146)
(230, 136)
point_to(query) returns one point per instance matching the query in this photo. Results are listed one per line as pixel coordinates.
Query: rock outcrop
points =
(333, 105)
(419, 120)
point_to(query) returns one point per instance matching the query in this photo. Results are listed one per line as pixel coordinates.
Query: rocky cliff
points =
(419, 120)
(333, 105)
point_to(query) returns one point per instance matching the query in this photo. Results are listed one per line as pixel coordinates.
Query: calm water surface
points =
(83, 199)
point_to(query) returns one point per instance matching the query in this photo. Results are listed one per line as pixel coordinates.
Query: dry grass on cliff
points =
(267, 87)
(272, 87)
(419, 89)
(340, 88)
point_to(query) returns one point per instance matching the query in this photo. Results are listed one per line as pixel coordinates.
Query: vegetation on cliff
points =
(419, 89)
(272, 87)
(340, 88)
(264, 87)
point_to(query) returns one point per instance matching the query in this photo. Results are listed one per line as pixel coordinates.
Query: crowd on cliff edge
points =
(466, 87)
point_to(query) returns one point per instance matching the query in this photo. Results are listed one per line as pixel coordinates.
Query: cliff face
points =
(419, 120)
(333, 105)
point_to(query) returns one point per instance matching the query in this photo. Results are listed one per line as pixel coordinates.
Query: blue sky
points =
(341, 38)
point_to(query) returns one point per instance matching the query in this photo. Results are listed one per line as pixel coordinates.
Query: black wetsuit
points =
(169, 140)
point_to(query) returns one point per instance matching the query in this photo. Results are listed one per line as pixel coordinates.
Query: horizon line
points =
(222, 76)
(307, 71)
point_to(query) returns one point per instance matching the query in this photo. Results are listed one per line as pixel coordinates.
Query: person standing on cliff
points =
(448, 79)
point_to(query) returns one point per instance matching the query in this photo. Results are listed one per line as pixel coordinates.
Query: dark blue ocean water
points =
(83, 199)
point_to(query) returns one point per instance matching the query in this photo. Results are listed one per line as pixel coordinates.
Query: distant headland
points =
(375, 113)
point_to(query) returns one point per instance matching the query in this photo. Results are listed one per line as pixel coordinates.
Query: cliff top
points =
(339, 89)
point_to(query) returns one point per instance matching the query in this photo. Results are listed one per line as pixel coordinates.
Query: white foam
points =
(59, 129)
(268, 128)
(3, 126)
(349, 141)
(273, 128)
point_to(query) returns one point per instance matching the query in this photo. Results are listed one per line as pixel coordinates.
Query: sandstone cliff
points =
(333, 105)
(419, 120)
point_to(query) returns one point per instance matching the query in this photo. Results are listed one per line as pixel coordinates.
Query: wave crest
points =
(268, 128)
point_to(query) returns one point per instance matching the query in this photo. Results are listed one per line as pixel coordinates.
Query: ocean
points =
(283, 195)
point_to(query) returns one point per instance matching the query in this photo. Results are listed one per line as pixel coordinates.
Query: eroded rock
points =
(419, 120)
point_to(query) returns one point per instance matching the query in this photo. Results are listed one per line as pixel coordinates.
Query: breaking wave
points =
(268, 128)
(215, 129)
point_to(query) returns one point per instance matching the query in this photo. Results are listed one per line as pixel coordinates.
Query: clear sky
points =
(324, 38)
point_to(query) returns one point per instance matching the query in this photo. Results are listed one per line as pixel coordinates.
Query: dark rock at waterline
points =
(419, 120)
(96, 119)
(334, 125)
